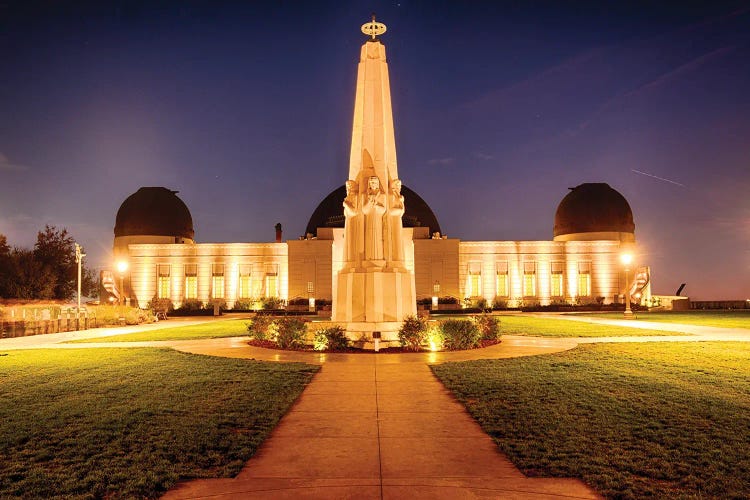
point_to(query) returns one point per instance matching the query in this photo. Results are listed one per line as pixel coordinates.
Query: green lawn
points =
(212, 329)
(129, 423)
(723, 319)
(552, 327)
(660, 420)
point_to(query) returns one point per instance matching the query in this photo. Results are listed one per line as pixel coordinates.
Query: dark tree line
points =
(48, 271)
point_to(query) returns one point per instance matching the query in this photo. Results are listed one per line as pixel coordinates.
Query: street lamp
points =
(627, 258)
(79, 260)
(122, 266)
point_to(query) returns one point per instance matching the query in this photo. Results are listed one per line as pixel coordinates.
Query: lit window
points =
(501, 288)
(217, 281)
(191, 281)
(272, 285)
(246, 282)
(556, 279)
(475, 279)
(584, 279)
(529, 279)
(162, 285)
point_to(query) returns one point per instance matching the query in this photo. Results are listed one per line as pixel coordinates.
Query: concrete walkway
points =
(381, 426)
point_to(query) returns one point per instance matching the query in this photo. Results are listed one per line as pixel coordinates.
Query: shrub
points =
(191, 305)
(435, 338)
(412, 333)
(160, 305)
(499, 303)
(488, 326)
(258, 328)
(271, 303)
(291, 332)
(424, 302)
(110, 315)
(333, 339)
(298, 301)
(460, 334)
(243, 305)
(448, 300)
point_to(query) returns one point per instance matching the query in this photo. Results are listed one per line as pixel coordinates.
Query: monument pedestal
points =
(374, 300)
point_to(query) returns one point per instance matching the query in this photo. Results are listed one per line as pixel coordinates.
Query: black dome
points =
(154, 211)
(330, 212)
(593, 207)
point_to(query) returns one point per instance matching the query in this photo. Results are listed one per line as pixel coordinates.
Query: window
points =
(246, 281)
(529, 279)
(272, 280)
(556, 279)
(217, 281)
(474, 280)
(162, 284)
(584, 279)
(191, 281)
(501, 288)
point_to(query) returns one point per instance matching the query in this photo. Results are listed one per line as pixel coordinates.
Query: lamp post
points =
(79, 260)
(122, 266)
(435, 294)
(627, 258)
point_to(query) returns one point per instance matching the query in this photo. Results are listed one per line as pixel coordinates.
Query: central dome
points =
(330, 212)
(154, 211)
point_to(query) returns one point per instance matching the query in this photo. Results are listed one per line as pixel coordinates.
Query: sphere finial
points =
(373, 28)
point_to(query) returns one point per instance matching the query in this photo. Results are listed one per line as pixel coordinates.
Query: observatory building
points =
(373, 247)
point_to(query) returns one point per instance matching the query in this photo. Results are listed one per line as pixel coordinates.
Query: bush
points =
(298, 301)
(258, 328)
(448, 300)
(460, 334)
(160, 305)
(271, 303)
(499, 303)
(243, 305)
(435, 338)
(291, 332)
(110, 315)
(333, 339)
(412, 333)
(191, 305)
(488, 326)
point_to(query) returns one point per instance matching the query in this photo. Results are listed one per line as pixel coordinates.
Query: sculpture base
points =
(374, 300)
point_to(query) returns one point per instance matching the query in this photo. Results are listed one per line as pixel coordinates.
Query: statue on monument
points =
(352, 224)
(394, 238)
(373, 209)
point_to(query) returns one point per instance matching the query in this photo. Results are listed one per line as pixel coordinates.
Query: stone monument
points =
(374, 289)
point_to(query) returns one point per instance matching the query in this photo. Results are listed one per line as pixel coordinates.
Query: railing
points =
(44, 321)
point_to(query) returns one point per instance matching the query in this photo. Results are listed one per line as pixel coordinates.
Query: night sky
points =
(499, 107)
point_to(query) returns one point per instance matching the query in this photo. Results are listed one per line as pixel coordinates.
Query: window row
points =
(529, 279)
(245, 282)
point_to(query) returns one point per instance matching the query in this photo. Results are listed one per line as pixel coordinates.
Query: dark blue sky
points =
(499, 107)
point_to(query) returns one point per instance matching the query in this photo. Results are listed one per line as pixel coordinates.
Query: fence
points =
(22, 322)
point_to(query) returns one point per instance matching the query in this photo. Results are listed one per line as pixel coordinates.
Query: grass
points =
(661, 420)
(129, 423)
(552, 327)
(211, 329)
(722, 319)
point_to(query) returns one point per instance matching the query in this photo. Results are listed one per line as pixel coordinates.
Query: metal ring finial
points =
(373, 28)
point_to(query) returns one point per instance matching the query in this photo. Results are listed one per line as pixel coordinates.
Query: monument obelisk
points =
(375, 290)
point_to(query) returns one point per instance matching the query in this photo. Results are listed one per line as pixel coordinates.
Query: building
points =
(593, 226)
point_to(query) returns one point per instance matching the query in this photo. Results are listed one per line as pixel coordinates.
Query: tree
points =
(29, 278)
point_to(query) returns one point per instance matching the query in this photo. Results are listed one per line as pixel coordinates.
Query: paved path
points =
(379, 425)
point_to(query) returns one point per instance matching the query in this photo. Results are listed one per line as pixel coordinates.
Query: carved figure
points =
(373, 209)
(352, 224)
(395, 234)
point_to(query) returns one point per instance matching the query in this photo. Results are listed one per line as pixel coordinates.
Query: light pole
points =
(79, 260)
(122, 266)
(626, 259)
